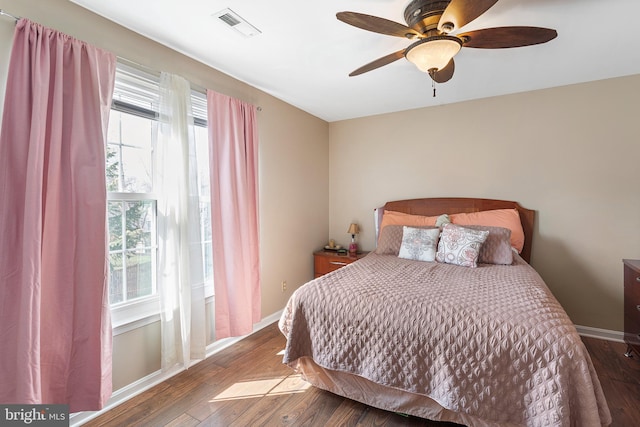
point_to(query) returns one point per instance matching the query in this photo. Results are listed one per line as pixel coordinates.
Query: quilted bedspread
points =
(491, 342)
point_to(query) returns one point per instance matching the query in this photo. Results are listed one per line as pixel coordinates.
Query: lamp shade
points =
(433, 53)
(353, 229)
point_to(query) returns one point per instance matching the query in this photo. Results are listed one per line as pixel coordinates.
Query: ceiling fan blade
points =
(445, 74)
(460, 12)
(504, 37)
(378, 63)
(377, 25)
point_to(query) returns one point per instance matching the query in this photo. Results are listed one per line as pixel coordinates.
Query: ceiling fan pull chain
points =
(433, 83)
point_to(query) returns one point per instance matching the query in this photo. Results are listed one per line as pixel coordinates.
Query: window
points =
(131, 197)
(131, 207)
(199, 106)
(132, 194)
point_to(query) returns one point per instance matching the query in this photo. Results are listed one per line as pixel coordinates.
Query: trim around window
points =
(138, 95)
(135, 314)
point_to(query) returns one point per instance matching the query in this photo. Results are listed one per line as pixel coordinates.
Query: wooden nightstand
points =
(327, 261)
(632, 305)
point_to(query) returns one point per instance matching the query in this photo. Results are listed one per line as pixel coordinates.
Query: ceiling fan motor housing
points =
(424, 15)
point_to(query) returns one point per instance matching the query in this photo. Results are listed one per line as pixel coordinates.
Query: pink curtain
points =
(233, 140)
(55, 327)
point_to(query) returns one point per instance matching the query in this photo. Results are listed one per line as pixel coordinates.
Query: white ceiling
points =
(304, 54)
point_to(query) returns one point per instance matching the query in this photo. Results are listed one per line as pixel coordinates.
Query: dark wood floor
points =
(247, 385)
(620, 380)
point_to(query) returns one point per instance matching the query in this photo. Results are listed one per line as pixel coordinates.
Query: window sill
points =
(130, 326)
(135, 314)
(139, 314)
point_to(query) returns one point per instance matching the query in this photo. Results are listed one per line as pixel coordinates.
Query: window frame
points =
(128, 315)
(140, 86)
(199, 112)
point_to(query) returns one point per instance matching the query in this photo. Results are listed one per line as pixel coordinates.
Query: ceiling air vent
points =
(236, 22)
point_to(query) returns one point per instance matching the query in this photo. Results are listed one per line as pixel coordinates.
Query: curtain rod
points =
(124, 60)
(156, 73)
(3, 13)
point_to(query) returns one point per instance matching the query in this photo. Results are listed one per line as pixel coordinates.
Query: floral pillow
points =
(460, 245)
(497, 248)
(419, 243)
(390, 239)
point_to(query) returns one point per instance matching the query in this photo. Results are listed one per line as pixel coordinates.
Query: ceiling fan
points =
(431, 23)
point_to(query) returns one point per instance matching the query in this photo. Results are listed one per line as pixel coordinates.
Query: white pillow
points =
(442, 220)
(460, 245)
(419, 243)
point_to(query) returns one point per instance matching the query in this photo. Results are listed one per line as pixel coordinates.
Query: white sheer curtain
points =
(7, 26)
(180, 261)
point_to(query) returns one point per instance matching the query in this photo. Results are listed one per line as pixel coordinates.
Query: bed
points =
(483, 345)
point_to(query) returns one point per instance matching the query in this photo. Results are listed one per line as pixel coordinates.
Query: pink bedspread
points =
(490, 343)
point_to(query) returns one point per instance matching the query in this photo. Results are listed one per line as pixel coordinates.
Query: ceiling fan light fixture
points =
(433, 53)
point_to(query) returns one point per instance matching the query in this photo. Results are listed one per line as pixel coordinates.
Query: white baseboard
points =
(603, 334)
(122, 395)
(219, 345)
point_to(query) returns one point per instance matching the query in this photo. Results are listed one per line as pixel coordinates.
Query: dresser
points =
(632, 306)
(327, 261)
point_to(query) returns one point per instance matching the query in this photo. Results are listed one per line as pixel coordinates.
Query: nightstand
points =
(632, 305)
(327, 261)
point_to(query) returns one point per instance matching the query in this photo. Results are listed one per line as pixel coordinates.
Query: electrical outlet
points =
(284, 285)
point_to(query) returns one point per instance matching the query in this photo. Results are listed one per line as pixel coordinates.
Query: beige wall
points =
(293, 162)
(570, 153)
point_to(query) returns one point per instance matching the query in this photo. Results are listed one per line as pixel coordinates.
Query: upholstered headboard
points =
(451, 205)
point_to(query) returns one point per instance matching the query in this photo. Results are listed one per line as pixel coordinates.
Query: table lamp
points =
(353, 247)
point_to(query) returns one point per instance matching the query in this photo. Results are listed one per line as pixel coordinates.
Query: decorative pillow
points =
(400, 218)
(507, 218)
(419, 243)
(390, 239)
(442, 220)
(497, 248)
(460, 245)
